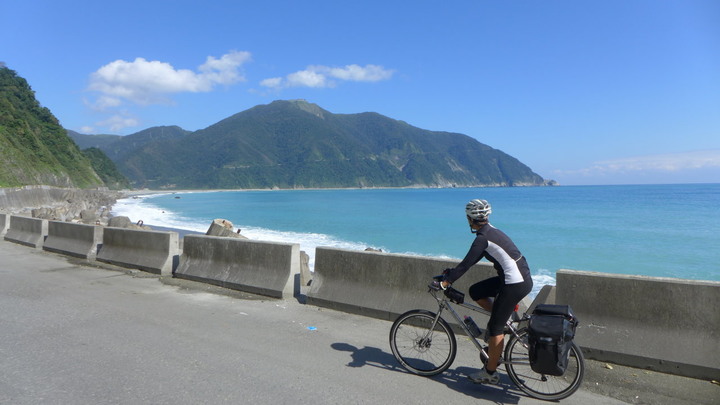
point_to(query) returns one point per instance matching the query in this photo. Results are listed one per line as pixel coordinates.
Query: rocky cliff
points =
(62, 204)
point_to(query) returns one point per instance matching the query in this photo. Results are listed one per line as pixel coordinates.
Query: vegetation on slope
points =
(106, 169)
(296, 144)
(34, 148)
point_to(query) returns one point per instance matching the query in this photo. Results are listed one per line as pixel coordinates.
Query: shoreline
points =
(215, 190)
(175, 223)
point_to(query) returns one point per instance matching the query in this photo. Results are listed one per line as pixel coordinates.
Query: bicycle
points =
(424, 344)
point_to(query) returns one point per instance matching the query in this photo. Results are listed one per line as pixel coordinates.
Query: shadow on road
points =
(455, 379)
(368, 356)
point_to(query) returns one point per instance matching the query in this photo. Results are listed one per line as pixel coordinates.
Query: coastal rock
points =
(88, 216)
(59, 204)
(125, 222)
(223, 228)
(305, 274)
(119, 222)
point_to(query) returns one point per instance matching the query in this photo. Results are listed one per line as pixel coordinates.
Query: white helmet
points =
(478, 210)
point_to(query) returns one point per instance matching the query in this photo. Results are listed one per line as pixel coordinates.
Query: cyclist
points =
(499, 294)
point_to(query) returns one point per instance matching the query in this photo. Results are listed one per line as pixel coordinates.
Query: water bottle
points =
(472, 326)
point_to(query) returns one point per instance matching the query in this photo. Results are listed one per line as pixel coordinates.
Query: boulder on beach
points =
(59, 204)
(305, 274)
(119, 222)
(125, 222)
(223, 228)
(89, 216)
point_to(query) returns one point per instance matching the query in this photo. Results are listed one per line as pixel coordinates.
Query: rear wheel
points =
(420, 348)
(541, 386)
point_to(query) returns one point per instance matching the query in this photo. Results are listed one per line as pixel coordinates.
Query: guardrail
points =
(4, 224)
(78, 240)
(381, 285)
(27, 231)
(663, 324)
(150, 251)
(667, 325)
(266, 268)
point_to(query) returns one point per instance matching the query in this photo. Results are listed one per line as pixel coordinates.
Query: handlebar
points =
(452, 294)
(434, 285)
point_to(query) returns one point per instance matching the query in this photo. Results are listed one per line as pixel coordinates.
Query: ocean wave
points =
(142, 208)
(541, 278)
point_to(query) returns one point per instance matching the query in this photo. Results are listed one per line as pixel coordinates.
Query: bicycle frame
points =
(425, 344)
(444, 303)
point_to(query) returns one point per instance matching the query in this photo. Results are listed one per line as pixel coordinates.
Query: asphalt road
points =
(75, 333)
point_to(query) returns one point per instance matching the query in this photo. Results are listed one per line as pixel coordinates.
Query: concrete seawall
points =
(150, 251)
(99, 336)
(661, 324)
(667, 325)
(27, 231)
(4, 224)
(265, 268)
(76, 240)
(54, 202)
(382, 285)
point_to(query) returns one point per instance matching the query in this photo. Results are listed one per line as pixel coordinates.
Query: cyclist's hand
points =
(435, 284)
(442, 276)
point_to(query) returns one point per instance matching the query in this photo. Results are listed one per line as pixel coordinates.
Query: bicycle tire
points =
(418, 349)
(540, 386)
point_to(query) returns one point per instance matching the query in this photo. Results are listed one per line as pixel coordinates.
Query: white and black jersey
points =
(494, 245)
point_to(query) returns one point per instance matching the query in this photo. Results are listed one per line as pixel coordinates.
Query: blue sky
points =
(601, 92)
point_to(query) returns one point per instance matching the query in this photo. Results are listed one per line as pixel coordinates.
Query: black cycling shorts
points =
(506, 298)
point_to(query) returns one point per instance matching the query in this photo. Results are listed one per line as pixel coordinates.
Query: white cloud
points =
(274, 82)
(105, 102)
(119, 122)
(225, 69)
(149, 82)
(664, 163)
(668, 162)
(369, 73)
(323, 76)
(307, 78)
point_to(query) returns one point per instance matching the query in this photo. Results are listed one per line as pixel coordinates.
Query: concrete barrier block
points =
(27, 231)
(305, 273)
(4, 224)
(78, 240)
(663, 324)
(151, 251)
(265, 268)
(545, 296)
(383, 285)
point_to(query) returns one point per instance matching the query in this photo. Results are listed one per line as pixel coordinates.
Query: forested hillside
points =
(116, 146)
(106, 169)
(296, 144)
(34, 148)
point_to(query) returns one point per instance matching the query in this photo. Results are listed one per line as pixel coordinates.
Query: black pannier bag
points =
(550, 334)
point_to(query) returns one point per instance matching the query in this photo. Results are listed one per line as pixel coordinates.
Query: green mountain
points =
(106, 169)
(296, 144)
(117, 146)
(34, 148)
(92, 141)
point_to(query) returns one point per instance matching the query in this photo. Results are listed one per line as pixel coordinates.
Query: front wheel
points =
(541, 386)
(420, 348)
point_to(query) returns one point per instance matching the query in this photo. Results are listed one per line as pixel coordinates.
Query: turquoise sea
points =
(653, 230)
